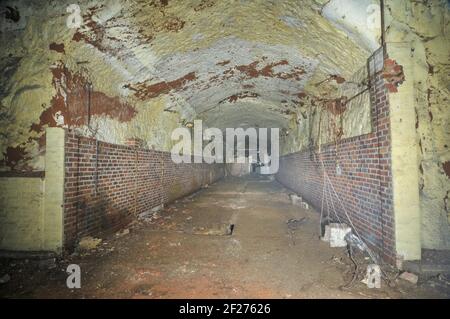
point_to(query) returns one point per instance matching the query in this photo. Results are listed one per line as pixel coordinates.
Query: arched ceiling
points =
(234, 62)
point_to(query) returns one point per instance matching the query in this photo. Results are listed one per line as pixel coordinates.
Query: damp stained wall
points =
(418, 33)
(20, 230)
(344, 114)
(141, 68)
(31, 214)
(150, 66)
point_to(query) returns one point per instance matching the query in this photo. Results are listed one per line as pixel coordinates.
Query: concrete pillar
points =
(405, 173)
(53, 216)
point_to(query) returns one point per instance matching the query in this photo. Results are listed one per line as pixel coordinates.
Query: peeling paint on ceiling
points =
(230, 63)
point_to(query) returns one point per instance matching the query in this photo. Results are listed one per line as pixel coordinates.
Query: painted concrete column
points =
(53, 219)
(405, 172)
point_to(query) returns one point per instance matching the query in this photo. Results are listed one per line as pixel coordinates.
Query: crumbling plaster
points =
(158, 64)
(417, 36)
(423, 29)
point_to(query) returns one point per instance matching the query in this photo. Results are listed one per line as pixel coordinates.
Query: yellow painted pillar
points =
(405, 172)
(53, 221)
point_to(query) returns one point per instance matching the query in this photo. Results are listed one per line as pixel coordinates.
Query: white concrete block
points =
(337, 234)
(408, 276)
(326, 235)
(295, 199)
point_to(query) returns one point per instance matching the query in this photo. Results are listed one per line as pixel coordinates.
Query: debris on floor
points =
(170, 259)
(410, 277)
(298, 201)
(235, 207)
(88, 243)
(148, 216)
(215, 230)
(337, 260)
(123, 232)
(175, 244)
(295, 199)
(294, 224)
(157, 208)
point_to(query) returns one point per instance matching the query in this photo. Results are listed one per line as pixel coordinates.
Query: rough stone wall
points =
(365, 183)
(423, 26)
(106, 185)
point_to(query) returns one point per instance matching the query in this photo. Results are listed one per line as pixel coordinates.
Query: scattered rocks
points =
(410, 277)
(88, 243)
(124, 232)
(149, 216)
(158, 208)
(175, 244)
(298, 201)
(295, 199)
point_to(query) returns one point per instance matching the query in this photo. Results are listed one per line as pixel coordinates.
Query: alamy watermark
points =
(241, 146)
(74, 278)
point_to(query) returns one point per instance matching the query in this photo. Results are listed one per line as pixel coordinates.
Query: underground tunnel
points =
(224, 149)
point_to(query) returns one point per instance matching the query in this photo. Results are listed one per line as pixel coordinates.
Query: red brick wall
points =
(365, 185)
(129, 181)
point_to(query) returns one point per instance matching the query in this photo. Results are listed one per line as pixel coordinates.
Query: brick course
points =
(103, 192)
(365, 185)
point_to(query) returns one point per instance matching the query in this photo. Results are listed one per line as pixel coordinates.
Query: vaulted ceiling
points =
(236, 63)
(230, 63)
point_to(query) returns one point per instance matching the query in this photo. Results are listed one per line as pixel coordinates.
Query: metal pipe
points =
(383, 30)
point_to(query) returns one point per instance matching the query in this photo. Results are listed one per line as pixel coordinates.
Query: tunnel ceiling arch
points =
(230, 63)
(252, 60)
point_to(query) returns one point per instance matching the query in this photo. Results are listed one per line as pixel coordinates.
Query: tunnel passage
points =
(113, 80)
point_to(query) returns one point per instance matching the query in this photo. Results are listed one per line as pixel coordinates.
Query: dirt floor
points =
(186, 251)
